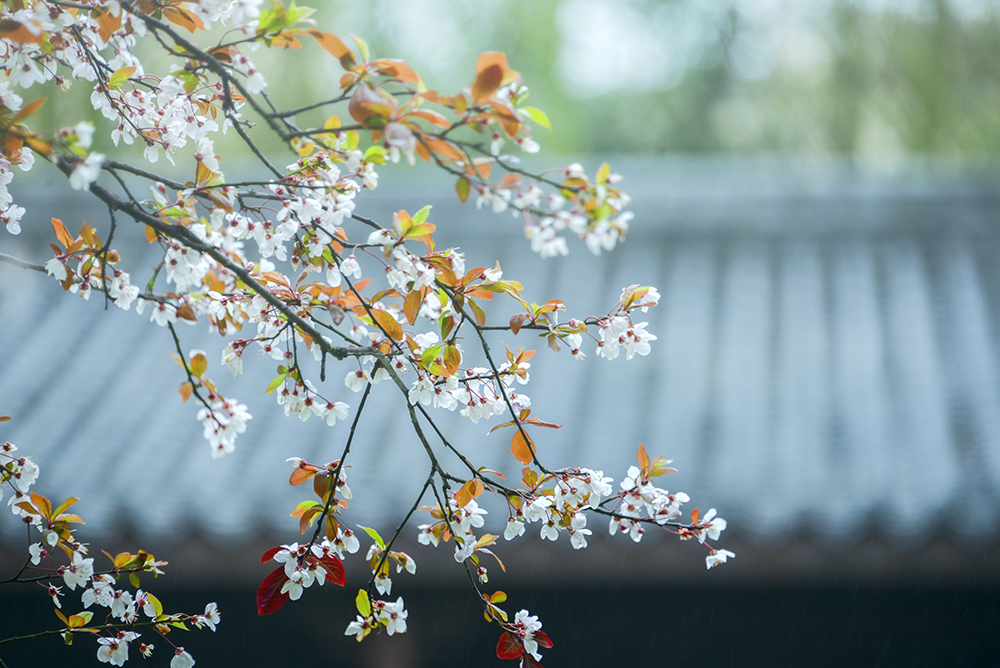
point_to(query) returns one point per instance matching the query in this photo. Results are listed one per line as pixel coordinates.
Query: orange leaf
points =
(446, 150)
(388, 324)
(181, 17)
(186, 390)
(509, 182)
(483, 167)
(522, 450)
(491, 58)
(332, 44)
(371, 107)
(28, 109)
(424, 154)
(487, 82)
(431, 116)
(42, 504)
(16, 31)
(38, 145)
(411, 305)
(61, 234)
(391, 67)
(643, 458)
(452, 358)
(301, 475)
(88, 235)
(108, 24)
(468, 492)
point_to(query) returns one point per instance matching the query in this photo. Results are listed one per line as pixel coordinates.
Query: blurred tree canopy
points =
(652, 76)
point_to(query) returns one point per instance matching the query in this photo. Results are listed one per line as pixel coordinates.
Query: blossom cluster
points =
(127, 610)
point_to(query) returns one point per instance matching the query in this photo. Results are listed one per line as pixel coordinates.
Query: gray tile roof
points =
(827, 363)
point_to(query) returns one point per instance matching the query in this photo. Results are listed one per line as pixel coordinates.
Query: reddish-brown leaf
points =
(542, 639)
(509, 646)
(487, 82)
(270, 554)
(516, 321)
(334, 569)
(269, 596)
(530, 662)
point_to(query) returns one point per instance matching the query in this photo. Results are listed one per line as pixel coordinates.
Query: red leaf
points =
(334, 569)
(270, 554)
(509, 647)
(269, 596)
(542, 639)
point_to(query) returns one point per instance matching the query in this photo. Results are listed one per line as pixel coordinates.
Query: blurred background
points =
(815, 188)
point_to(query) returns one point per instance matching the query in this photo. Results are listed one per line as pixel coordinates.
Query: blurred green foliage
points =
(868, 77)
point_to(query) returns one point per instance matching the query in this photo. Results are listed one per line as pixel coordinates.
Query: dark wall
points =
(745, 626)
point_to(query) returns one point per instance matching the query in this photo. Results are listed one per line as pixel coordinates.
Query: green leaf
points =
(376, 154)
(375, 536)
(362, 47)
(120, 76)
(198, 365)
(603, 173)
(538, 116)
(274, 384)
(174, 212)
(462, 188)
(430, 354)
(156, 604)
(364, 605)
(421, 216)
